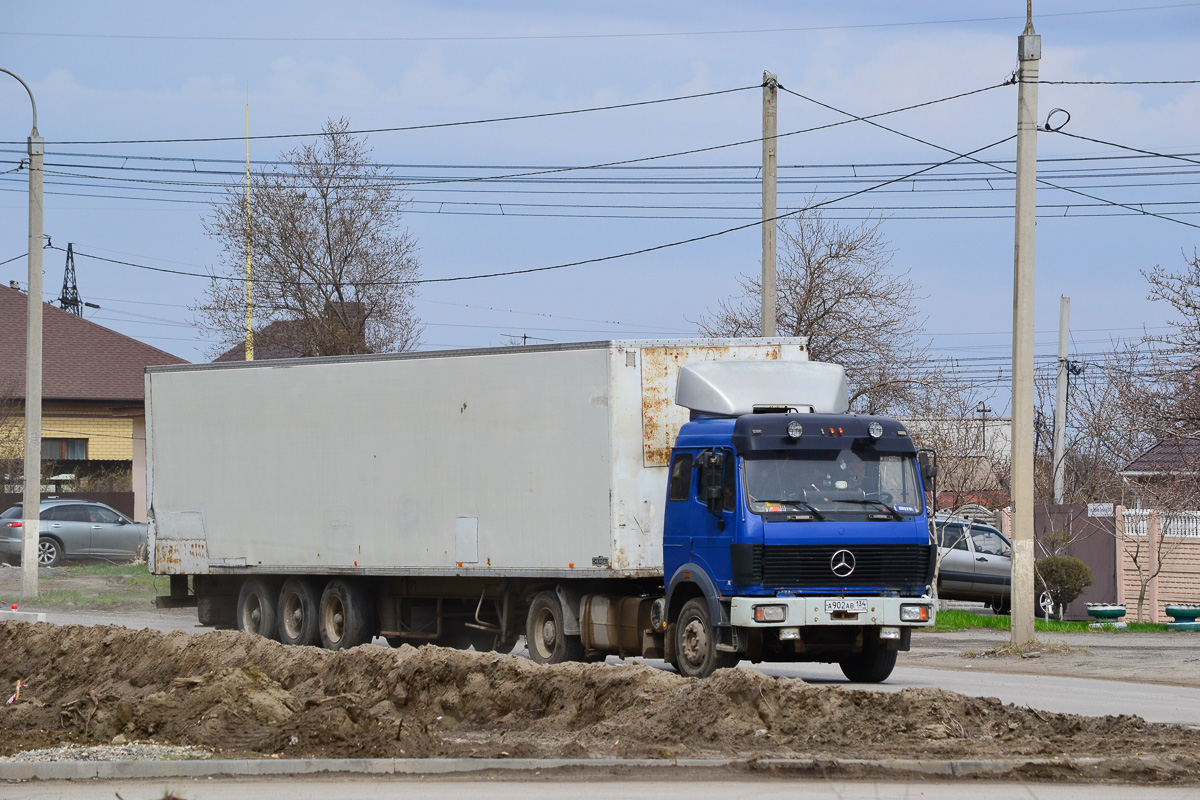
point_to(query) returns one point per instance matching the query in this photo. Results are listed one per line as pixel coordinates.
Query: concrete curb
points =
(827, 767)
(22, 616)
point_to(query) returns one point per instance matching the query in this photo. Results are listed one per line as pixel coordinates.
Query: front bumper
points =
(802, 611)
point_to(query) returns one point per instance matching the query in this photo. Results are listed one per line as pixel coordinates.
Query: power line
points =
(1061, 132)
(580, 36)
(429, 126)
(1039, 180)
(601, 259)
(1117, 83)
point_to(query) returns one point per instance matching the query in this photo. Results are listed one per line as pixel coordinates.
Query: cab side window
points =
(729, 485)
(680, 487)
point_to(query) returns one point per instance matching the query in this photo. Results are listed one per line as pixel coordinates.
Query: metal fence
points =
(1177, 523)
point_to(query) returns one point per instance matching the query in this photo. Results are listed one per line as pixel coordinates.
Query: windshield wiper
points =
(863, 501)
(801, 503)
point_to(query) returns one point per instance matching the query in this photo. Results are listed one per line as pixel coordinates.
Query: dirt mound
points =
(242, 694)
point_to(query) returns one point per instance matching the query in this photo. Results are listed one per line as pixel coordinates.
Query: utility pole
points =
(249, 274)
(770, 160)
(1029, 51)
(1060, 398)
(32, 496)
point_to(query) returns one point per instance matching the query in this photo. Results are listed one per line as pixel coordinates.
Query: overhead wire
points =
(581, 262)
(996, 166)
(404, 128)
(586, 36)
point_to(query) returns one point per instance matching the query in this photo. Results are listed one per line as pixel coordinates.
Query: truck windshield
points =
(832, 481)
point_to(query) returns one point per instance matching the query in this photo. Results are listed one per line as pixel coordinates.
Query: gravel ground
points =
(133, 751)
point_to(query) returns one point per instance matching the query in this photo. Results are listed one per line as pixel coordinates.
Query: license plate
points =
(855, 605)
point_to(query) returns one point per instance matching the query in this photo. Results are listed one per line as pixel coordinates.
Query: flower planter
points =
(1185, 616)
(1105, 611)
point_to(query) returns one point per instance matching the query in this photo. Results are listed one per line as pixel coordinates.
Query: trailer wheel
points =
(696, 653)
(873, 665)
(544, 632)
(256, 608)
(345, 616)
(298, 601)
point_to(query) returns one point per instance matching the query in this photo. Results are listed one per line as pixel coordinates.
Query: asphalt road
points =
(535, 787)
(1091, 697)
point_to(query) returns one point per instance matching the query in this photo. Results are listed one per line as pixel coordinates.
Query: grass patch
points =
(954, 619)
(99, 586)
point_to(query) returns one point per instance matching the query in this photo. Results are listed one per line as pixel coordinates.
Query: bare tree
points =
(1110, 403)
(836, 285)
(12, 438)
(332, 266)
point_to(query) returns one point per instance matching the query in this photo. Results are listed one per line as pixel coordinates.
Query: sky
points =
(136, 71)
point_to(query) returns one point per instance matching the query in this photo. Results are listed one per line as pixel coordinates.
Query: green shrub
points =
(1064, 577)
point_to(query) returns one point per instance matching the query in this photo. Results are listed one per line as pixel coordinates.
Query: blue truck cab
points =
(793, 531)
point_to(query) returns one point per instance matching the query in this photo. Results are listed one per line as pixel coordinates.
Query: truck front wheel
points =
(256, 608)
(544, 635)
(696, 653)
(873, 665)
(345, 615)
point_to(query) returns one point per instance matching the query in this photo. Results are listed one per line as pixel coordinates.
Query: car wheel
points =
(49, 552)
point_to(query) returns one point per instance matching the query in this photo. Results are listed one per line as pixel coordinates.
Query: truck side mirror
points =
(714, 483)
(927, 460)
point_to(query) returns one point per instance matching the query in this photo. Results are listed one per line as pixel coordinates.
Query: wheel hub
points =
(695, 642)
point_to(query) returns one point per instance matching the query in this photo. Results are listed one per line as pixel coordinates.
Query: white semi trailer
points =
(472, 497)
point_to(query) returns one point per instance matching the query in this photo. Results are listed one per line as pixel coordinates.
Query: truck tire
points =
(873, 665)
(257, 607)
(696, 653)
(298, 601)
(544, 632)
(217, 611)
(345, 618)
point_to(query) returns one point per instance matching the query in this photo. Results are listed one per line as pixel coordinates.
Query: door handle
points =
(55, 525)
(97, 527)
(981, 558)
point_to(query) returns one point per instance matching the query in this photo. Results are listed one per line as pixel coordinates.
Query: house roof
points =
(1171, 456)
(81, 361)
(277, 340)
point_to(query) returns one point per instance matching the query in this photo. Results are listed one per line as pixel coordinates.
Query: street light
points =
(33, 364)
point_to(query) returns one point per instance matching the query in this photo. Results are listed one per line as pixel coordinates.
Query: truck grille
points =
(884, 566)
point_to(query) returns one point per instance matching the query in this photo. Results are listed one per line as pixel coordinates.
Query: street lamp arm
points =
(32, 102)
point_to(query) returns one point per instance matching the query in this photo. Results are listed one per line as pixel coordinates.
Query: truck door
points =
(716, 518)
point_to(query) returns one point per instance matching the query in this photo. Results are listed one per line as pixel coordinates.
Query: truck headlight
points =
(772, 613)
(914, 613)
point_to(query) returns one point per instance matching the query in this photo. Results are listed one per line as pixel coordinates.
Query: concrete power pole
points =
(1029, 51)
(770, 159)
(1060, 399)
(32, 497)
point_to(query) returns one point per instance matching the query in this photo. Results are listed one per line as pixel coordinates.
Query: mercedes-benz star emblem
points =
(842, 563)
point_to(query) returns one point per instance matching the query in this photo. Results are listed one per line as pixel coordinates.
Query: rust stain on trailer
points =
(181, 556)
(661, 418)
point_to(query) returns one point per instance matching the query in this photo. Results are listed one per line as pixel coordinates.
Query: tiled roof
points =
(1172, 455)
(276, 340)
(80, 359)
